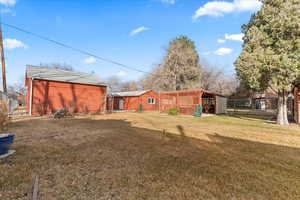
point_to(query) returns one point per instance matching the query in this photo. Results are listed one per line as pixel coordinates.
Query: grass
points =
(127, 156)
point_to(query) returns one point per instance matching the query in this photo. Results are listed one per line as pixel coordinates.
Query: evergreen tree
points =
(180, 68)
(271, 51)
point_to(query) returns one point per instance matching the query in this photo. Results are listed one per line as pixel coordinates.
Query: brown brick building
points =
(49, 90)
(131, 101)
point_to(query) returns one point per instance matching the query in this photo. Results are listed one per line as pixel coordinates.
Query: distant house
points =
(146, 100)
(297, 103)
(49, 90)
(265, 101)
(259, 100)
(21, 99)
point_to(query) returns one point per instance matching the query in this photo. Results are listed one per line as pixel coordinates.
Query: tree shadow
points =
(252, 117)
(73, 99)
(115, 157)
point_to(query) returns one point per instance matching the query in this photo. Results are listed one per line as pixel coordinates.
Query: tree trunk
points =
(282, 118)
(285, 109)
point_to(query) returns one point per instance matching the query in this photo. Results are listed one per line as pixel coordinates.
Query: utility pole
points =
(3, 62)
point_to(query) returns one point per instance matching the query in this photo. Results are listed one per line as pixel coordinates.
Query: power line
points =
(77, 49)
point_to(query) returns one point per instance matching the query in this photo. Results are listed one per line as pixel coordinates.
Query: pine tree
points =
(271, 51)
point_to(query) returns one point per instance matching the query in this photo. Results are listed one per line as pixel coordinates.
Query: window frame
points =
(151, 100)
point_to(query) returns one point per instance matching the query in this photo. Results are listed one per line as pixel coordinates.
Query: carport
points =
(186, 101)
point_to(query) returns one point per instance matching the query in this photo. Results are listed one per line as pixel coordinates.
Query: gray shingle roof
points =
(130, 94)
(51, 74)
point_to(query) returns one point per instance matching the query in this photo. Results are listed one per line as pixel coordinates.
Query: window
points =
(151, 100)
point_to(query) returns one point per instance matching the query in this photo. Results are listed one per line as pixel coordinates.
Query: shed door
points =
(121, 104)
(221, 105)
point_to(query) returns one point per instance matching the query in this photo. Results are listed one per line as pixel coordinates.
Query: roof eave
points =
(43, 79)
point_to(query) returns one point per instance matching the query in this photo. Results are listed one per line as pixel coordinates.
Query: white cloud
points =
(7, 11)
(236, 37)
(223, 51)
(90, 60)
(247, 5)
(221, 41)
(121, 73)
(138, 30)
(8, 2)
(168, 1)
(215, 8)
(220, 8)
(13, 44)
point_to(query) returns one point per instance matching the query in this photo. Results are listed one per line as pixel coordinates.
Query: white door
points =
(221, 105)
(121, 104)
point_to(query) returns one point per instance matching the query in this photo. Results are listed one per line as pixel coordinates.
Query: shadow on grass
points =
(111, 159)
(252, 116)
(269, 119)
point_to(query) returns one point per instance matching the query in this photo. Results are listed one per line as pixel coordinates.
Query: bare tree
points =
(129, 86)
(62, 66)
(18, 87)
(114, 83)
(154, 81)
(214, 79)
(227, 85)
(210, 77)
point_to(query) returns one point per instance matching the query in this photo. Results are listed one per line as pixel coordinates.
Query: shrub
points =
(61, 114)
(4, 115)
(173, 111)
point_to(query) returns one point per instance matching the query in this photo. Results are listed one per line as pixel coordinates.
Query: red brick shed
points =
(131, 101)
(50, 89)
(297, 104)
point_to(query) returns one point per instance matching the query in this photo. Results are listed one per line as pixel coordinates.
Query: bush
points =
(61, 114)
(4, 115)
(173, 111)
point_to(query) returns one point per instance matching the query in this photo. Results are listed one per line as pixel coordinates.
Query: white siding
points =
(221, 105)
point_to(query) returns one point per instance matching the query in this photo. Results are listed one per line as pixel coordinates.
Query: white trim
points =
(152, 99)
(159, 101)
(30, 104)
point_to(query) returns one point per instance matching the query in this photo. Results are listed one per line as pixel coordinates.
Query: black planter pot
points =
(5, 141)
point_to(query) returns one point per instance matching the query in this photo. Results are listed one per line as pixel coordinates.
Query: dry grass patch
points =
(125, 156)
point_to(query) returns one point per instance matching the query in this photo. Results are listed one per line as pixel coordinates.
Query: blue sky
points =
(135, 32)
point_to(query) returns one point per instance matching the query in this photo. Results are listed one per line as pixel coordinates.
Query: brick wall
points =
(51, 96)
(132, 102)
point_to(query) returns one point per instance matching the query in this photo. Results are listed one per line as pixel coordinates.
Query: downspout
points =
(31, 99)
(105, 101)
